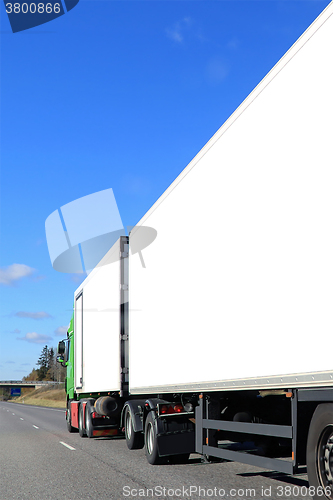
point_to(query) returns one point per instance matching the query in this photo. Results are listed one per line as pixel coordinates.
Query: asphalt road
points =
(40, 460)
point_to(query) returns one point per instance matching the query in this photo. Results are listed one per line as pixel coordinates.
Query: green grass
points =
(43, 397)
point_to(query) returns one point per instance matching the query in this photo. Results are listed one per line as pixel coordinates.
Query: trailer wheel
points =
(70, 428)
(134, 440)
(319, 452)
(89, 424)
(151, 449)
(82, 432)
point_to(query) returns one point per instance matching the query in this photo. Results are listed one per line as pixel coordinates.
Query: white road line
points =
(35, 426)
(67, 445)
(40, 407)
(16, 405)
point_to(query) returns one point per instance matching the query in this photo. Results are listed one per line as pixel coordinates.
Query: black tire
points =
(70, 428)
(151, 449)
(319, 452)
(134, 440)
(82, 432)
(89, 423)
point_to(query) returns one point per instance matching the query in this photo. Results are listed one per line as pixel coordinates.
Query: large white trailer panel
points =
(97, 327)
(238, 285)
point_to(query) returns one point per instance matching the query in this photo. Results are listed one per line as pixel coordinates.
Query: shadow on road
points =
(280, 476)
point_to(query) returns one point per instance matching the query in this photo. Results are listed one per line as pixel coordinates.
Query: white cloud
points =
(33, 315)
(15, 331)
(10, 274)
(177, 31)
(35, 338)
(216, 70)
(77, 278)
(36, 279)
(136, 185)
(61, 331)
(233, 44)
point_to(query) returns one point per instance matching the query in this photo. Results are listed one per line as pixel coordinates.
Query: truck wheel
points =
(82, 432)
(70, 428)
(319, 452)
(134, 440)
(89, 424)
(151, 449)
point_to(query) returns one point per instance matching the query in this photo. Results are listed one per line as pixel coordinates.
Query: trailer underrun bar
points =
(203, 446)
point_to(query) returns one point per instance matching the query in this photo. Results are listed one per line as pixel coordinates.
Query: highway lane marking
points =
(67, 445)
(39, 407)
(35, 426)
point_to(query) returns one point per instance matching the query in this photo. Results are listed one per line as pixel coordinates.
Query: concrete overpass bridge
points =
(37, 384)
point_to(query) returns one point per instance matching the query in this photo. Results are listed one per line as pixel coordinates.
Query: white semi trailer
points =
(221, 329)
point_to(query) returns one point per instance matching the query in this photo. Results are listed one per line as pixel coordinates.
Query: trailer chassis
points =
(318, 436)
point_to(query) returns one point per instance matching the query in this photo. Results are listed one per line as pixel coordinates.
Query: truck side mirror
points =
(63, 352)
(61, 347)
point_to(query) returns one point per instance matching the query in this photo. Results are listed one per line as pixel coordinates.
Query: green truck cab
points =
(66, 358)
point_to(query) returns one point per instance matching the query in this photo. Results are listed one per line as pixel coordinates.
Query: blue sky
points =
(114, 94)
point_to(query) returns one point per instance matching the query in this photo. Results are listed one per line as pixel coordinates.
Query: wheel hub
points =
(128, 426)
(328, 460)
(325, 459)
(150, 439)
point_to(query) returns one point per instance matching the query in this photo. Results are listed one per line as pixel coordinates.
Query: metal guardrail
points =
(29, 382)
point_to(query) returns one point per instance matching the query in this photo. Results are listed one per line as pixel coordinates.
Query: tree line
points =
(49, 369)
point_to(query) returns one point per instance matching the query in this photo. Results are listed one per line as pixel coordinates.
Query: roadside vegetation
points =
(45, 396)
(48, 370)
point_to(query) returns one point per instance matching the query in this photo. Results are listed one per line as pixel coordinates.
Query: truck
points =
(209, 328)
